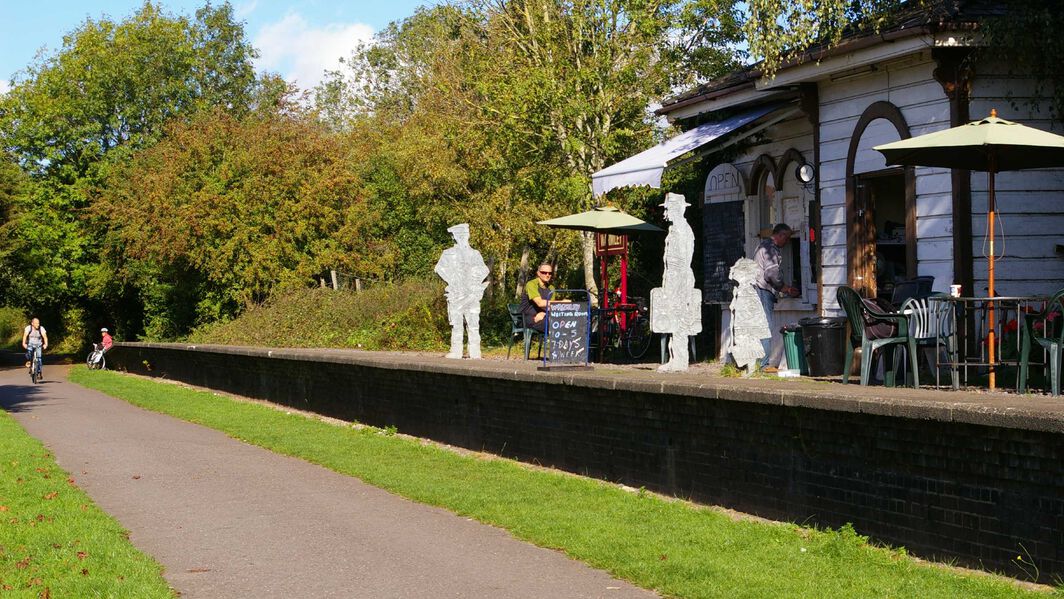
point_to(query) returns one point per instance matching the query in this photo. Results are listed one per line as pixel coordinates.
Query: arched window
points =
(767, 210)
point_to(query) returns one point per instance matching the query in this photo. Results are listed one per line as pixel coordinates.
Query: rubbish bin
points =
(824, 341)
(792, 348)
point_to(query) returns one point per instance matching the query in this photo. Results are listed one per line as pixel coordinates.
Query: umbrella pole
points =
(990, 341)
(624, 287)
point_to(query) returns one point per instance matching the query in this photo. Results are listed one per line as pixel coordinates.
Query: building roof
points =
(914, 18)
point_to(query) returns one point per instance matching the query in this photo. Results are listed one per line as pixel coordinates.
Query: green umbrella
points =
(992, 145)
(601, 219)
(606, 219)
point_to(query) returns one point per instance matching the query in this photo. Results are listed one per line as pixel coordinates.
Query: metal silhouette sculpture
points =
(463, 268)
(676, 306)
(749, 325)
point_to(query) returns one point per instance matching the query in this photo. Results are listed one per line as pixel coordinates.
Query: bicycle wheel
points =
(89, 361)
(639, 338)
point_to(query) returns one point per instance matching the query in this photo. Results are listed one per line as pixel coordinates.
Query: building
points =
(861, 222)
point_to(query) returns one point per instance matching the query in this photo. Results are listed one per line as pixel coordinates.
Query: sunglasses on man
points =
(546, 272)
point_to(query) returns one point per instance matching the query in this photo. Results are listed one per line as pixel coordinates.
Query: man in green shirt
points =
(534, 299)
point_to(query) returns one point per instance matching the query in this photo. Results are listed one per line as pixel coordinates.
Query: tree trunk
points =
(522, 274)
(588, 242)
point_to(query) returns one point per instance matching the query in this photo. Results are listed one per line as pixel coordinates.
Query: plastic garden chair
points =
(861, 317)
(518, 328)
(1050, 338)
(931, 324)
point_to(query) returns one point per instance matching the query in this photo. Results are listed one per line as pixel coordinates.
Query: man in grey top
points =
(769, 281)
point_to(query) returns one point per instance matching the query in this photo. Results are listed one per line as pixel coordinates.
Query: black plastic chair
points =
(518, 328)
(918, 288)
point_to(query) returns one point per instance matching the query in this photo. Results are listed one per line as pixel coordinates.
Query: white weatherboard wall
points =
(1030, 203)
(796, 134)
(907, 84)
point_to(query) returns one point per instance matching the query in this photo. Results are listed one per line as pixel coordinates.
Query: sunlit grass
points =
(674, 547)
(54, 542)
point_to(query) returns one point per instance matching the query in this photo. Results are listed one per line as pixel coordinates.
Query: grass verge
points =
(674, 547)
(54, 542)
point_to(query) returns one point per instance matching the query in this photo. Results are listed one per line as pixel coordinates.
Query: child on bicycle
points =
(34, 338)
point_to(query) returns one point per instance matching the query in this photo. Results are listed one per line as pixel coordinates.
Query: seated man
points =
(534, 298)
(106, 342)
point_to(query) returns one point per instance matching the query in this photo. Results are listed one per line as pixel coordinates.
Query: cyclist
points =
(106, 342)
(34, 339)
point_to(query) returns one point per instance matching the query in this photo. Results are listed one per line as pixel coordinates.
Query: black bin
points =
(824, 344)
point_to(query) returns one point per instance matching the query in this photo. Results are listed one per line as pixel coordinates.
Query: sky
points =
(298, 39)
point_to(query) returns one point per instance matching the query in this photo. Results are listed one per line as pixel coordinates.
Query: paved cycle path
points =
(227, 519)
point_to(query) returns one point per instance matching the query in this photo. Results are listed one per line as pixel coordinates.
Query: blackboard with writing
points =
(567, 333)
(722, 238)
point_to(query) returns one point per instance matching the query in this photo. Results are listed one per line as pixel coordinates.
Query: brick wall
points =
(941, 481)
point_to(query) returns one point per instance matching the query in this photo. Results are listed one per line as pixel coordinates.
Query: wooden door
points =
(863, 252)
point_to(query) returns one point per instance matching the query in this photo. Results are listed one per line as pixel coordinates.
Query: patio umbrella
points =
(605, 219)
(601, 219)
(992, 145)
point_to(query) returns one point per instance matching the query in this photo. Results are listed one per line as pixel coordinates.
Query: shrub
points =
(411, 315)
(12, 322)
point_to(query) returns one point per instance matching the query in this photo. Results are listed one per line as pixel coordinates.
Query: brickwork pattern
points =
(980, 494)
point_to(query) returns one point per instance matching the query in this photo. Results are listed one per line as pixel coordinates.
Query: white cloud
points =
(4, 86)
(244, 9)
(302, 53)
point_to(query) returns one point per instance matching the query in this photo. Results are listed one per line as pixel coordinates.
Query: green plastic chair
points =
(1050, 340)
(861, 315)
(518, 328)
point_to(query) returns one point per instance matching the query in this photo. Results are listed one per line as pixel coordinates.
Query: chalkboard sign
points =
(567, 329)
(722, 235)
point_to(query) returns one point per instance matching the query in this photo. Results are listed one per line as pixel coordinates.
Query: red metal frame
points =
(606, 245)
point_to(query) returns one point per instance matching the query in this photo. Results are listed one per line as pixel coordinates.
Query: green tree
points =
(110, 89)
(224, 211)
(118, 83)
(526, 98)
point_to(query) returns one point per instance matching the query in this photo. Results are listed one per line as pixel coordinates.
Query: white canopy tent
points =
(645, 168)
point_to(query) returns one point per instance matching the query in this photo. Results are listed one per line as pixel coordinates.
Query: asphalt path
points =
(227, 519)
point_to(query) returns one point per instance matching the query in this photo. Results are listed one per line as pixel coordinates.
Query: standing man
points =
(463, 268)
(34, 339)
(769, 280)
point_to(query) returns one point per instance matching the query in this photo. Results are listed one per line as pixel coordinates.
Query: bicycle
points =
(626, 328)
(36, 365)
(96, 359)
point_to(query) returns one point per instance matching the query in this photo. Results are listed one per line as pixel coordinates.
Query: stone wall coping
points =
(1008, 410)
